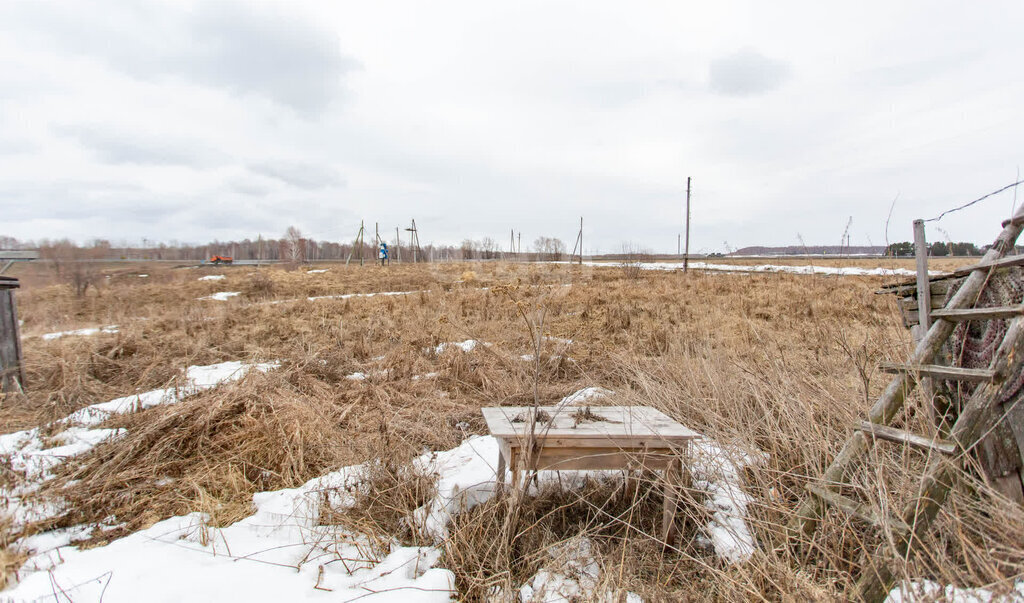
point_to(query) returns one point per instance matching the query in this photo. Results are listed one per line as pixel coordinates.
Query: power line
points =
(966, 205)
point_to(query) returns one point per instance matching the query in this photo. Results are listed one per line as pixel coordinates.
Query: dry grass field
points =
(776, 365)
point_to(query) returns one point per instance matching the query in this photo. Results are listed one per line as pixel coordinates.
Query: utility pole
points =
(578, 244)
(679, 244)
(398, 245)
(519, 248)
(686, 258)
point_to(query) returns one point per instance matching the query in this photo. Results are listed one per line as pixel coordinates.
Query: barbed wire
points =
(966, 205)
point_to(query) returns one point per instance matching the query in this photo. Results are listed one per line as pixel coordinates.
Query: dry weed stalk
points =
(756, 362)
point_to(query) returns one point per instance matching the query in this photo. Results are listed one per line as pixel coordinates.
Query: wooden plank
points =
(859, 510)
(938, 371)
(565, 459)
(967, 314)
(11, 374)
(938, 285)
(884, 432)
(17, 341)
(985, 264)
(910, 303)
(625, 424)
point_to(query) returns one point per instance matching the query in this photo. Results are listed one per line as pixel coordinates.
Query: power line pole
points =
(686, 258)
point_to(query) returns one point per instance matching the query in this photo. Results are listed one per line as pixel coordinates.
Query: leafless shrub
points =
(78, 267)
(259, 285)
(633, 257)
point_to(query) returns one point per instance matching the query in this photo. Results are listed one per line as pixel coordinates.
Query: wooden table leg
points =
(499, 477)
(673, 471)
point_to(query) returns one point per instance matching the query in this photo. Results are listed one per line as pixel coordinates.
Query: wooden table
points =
(597, 437)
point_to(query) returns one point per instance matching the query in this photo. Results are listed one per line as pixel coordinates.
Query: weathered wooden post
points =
(924, 292)
(12, 372)
(924, 307)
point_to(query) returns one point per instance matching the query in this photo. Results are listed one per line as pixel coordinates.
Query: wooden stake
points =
(924, 293)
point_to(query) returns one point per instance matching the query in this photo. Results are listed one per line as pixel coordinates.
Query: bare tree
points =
(75, 266)
(293, 246)
(549, 248)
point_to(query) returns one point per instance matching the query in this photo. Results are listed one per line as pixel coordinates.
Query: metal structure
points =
(9, 256)
(414, 242)
(357, 244)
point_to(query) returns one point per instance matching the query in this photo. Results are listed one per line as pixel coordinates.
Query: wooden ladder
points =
(975, 417)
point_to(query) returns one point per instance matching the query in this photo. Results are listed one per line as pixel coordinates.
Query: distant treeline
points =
(811, 250)
(293, 246)
(938, 248)
(905, 248)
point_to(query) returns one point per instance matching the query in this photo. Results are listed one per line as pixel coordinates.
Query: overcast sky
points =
(215, 120)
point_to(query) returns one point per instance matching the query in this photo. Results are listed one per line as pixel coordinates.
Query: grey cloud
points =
(130, 148)
(915, 72)
(79, 200)
(249, 189)
(746, 73)
(244, 49)
(301, 175)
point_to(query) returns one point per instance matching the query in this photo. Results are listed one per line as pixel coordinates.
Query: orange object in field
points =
(220, 259)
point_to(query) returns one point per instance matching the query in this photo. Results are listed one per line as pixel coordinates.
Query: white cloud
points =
(196, 120)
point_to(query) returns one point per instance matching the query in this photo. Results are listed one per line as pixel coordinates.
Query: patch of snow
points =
(351, 295)
(466, 346)
(465, 478)
(585, 395)
(319, 271)
(213, 277)
(572, 575)
(824, 270)
(222, 295)
(279, 553)
(197, 379)
(716, 470)
(32, 453)
(926, 590)
(80, 332)
(143, 276)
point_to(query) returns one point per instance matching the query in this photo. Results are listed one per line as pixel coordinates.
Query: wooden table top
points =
(619, 425)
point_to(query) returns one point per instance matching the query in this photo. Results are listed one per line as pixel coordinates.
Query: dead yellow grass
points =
(777, 363)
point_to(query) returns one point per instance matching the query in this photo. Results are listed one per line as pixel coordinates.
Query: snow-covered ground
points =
(222, 295)
(341, 296)
(282, 553)
(212, 277)
(80, 332)
(318, 271)
(826, 270)
(926, 590)
(466, 346)
(33, 453)
(277, 554)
